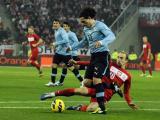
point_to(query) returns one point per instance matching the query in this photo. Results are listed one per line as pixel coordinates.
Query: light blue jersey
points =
(98, 32)
(62, 41)
(73, 41)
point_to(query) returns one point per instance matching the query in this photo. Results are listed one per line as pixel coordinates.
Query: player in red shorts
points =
(118, 75)
(34, 41)
(145, 57)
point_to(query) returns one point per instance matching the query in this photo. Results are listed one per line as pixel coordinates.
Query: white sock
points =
(52, 94)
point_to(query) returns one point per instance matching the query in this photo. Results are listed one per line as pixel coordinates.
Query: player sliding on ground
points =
(34, 41)
(118, 75)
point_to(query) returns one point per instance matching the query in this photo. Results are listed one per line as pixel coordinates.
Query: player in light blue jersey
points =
(61, 56)
(73, 40)
(97, 36)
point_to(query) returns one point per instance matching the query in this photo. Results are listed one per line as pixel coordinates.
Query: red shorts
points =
(34, 54)
(145, 60)
(108, 94)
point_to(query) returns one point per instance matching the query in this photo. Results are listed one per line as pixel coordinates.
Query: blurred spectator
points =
(149, 3)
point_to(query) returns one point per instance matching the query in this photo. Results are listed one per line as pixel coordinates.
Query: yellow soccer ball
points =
(57, 106)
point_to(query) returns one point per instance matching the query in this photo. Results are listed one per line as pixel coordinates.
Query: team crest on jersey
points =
(30, 39)
(116, 72)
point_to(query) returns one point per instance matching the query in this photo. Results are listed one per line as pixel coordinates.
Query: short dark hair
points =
(88, 12)
(56, 20)
(67, 23)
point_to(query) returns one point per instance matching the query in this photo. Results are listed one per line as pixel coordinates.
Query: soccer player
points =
(118, 75)
(97, 36)
(73, 40)
(145, 57)
(34, 41)
(61, 55)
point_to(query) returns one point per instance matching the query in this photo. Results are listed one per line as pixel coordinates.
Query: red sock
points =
(83, 108)
(143, 69)
(66, 92)
(35, 64)
(150, 70)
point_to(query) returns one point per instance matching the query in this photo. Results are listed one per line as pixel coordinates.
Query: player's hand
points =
(98, 44)
(133, 106)
(71, 61)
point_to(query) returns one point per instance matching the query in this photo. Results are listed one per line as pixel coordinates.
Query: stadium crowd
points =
(40, 13)
(149, 3)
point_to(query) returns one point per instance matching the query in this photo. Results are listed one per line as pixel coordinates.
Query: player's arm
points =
(127, 86)
(109, 36)
(40, 41)
(141, 54)
(74, 40)
(81, 44)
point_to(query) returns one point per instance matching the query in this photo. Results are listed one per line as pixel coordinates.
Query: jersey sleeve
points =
(109, 35)
(81, 44)
(74, 39)
(127, 86)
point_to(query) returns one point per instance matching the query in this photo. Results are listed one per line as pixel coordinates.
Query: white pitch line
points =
(12, 102)
(28, 107)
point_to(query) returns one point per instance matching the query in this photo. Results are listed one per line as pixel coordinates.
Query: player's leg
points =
(142, 67)
(70, 92)
(73, 69)
(76, 73)
(33, 60)
(63, 75)
(84, 108)
(56, 61)
(101, 68)
(149, 67)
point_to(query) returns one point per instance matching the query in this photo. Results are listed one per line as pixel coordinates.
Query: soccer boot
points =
(47, 96)
(142, 75)
(99, 111)
(58, 84)
(149, 76)
(50, 84)
(74, 107)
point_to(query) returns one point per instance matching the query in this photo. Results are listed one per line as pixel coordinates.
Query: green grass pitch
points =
(20, 89)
